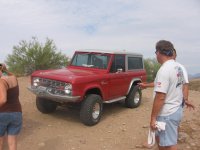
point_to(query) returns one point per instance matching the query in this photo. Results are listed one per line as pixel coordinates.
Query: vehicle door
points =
(118, 83)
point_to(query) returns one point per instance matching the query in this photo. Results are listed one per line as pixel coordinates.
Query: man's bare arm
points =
(157, 105)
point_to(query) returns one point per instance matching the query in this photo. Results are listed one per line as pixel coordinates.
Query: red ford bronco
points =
(91, 79)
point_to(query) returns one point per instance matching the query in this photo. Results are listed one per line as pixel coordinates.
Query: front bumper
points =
(44, 93)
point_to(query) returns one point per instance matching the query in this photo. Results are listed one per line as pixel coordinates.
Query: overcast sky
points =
(131, 25)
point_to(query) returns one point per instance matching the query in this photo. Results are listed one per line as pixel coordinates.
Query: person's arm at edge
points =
(9, 73)
(3, 92)
(185, 96)
(186, 90)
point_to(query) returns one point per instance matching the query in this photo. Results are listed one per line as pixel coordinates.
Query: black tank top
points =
(12, 104)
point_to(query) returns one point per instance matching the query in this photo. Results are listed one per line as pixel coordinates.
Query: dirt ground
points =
(120, 128)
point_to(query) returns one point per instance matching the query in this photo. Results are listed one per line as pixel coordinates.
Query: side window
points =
(135, 63)
(118, 63)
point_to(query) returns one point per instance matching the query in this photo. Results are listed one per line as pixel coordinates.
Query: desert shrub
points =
(29, 56)
(151, 66)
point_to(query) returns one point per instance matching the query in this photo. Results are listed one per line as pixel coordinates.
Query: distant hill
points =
(195, 84)
(194, 76)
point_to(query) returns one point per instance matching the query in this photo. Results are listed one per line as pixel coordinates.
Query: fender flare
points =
(132, 82)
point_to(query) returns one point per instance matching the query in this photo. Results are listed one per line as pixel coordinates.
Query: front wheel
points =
(134, 97)
(91, 110)
(45, 106)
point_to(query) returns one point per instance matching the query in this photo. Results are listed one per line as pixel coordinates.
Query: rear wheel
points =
(134, 97)
(91, 110)
(45, 106)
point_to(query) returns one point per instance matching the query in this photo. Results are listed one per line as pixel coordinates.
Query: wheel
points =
(134, 97)
(91, 110)
(45, 106)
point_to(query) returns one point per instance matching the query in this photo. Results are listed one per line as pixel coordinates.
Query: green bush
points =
(33, 55)
(152, 67)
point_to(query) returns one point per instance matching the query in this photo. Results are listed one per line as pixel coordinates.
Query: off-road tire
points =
(87, 114)
(45, 106)
(134, 97)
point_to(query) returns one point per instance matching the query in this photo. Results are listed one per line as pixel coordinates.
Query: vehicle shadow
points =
(72, 113)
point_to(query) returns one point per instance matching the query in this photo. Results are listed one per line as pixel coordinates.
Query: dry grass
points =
(195, 84)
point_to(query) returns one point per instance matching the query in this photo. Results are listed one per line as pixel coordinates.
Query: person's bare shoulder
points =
(11, 80)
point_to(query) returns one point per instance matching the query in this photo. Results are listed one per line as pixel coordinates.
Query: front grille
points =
(54, 87)
(50, 83)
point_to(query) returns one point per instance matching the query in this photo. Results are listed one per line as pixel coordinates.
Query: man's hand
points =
(153, 124)
(146, 85)
(142, 85)
(3, 67)
(189, 105)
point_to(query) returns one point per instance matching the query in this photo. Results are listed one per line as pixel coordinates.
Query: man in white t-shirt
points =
(168, 88)
(185, 86)
(185, 89)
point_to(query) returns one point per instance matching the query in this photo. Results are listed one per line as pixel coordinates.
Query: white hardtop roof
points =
(110, 51)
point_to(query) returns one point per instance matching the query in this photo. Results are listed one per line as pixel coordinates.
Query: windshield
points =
(92, 60)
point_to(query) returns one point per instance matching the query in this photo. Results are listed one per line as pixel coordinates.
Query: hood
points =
(64, 74)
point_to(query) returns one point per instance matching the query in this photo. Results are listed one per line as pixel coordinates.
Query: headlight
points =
(68, 89)
(36, 81)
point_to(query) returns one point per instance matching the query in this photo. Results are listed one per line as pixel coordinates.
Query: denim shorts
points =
(169, 136)
(10, 123)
